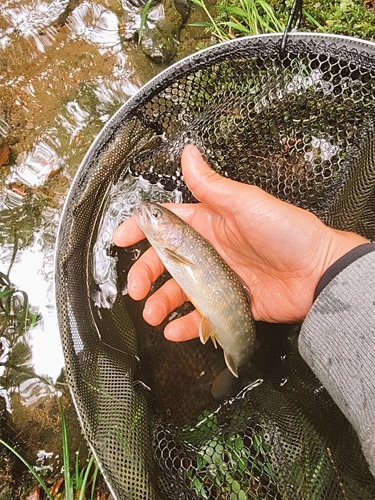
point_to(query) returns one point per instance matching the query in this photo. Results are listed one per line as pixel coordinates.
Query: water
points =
(65, 67)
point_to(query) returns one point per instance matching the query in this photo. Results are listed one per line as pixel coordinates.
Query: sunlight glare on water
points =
(34, 167)
(33, 267)
(27, 21)
(95, 24)
(64, 71)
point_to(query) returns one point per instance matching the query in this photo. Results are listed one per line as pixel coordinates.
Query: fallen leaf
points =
(35, 494)
(4, 154)
(55, 488)
(20, 190)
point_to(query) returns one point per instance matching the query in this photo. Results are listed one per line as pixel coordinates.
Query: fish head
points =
(161, 226)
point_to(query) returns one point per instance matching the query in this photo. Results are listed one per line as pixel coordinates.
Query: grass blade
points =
(144, 14)
(30, 468)
(94, 478)
(220, 34)
(235, 10)
(202, 24)
(65, 448)
(85, 479)
(312, 19)
(243, 16)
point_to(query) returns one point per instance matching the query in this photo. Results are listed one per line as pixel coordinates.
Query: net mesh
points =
(299, 125)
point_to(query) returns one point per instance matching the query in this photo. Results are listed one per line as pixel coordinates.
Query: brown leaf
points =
(35, 494)
(4, 154)
(20, 190)
(55, 488)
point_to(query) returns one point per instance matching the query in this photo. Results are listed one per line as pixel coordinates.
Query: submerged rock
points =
(159, 34)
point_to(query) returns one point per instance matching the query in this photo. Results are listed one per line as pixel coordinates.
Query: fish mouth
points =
(140, 212)
(137, 210)
(140, 209)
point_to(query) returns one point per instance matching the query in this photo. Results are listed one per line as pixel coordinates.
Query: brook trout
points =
(215, 290)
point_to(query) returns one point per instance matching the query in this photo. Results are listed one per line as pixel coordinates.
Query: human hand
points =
(279, 250)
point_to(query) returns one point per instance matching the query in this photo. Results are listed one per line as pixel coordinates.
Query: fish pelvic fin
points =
(206, 331)
(231, 364)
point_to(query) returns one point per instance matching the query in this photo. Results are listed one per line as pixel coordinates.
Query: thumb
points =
(206, 185)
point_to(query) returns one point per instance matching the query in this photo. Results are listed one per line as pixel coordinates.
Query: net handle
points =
(295, 18)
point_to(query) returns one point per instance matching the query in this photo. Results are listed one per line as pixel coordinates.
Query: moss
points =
(346, 17)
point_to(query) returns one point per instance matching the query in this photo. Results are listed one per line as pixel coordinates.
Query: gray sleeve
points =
(337, 340)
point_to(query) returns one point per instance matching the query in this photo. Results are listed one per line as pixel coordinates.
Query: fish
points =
(215, 290)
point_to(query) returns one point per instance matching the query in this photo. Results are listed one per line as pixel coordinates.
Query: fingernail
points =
(132, 287)
(152, 315)
(118, 233)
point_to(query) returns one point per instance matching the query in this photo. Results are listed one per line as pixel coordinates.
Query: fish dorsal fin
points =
(178, 258)
(231, 364)
(206, 331)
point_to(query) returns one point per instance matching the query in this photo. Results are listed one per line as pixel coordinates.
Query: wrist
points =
(340, 243)
(344, 248)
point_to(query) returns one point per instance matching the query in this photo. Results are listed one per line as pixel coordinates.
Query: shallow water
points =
(65, 67)
(58, 89)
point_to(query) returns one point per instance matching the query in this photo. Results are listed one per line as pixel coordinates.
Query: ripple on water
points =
(35, 167)
(95, 24)
(32, 21)
(64, 70)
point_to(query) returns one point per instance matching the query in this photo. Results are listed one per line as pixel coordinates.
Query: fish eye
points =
(156, 212)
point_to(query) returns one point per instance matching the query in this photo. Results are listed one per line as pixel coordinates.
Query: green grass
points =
(344, 17)
(31, 469)
(239, 17)
(76, 483)
(234, 18)
(143, 23)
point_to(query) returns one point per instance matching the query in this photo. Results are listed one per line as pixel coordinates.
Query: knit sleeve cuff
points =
(342, 263)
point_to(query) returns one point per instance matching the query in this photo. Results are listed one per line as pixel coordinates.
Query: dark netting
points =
(301, 127)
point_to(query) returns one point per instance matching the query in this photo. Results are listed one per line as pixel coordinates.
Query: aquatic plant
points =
(227, 463)
(17, 316)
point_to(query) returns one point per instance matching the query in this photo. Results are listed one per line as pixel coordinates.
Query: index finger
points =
(127, 233)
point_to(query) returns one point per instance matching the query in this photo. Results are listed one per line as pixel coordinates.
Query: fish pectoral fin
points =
(178, 258)
(231, 364)
(206, 331)
(247, 290)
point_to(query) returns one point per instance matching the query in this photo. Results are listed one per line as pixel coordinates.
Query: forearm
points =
(337, 340)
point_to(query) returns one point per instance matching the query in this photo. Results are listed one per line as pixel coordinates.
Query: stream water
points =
(65, 68)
